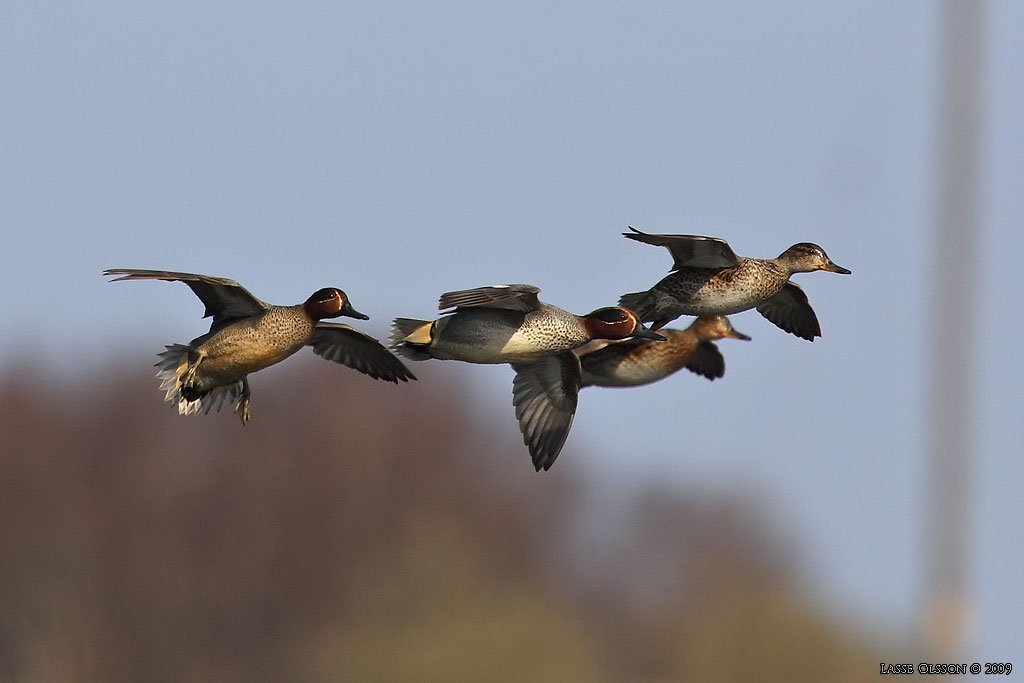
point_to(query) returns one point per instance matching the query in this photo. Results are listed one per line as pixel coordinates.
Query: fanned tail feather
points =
(410, 337)
(172, 365)
(216, 399)
(175, 370)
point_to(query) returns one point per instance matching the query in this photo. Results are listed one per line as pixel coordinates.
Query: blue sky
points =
(399, 150)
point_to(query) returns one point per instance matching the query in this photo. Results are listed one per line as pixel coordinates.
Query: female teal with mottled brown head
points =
(636, 362)
(709, 279)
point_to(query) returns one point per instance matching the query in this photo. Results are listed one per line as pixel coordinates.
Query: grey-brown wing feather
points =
(707, 361)
(225, 299)
(512, 297)
(359, 351)
(597, 361)
(790, 311)
(545, 394)
(690, 251)
(596, 353)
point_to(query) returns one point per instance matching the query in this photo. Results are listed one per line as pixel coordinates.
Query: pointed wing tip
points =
(345, 345)
(123, 273)
(634, 234)
(541, 454)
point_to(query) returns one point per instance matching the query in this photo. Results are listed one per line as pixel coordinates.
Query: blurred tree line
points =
(358, 531)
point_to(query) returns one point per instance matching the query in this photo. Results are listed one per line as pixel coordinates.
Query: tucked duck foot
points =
(242, 404)
(242, 408)
(190, 392)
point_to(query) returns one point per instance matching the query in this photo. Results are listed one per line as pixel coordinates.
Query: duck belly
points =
(699, 291)
(229, 355)
(632, 372)
(632, 366)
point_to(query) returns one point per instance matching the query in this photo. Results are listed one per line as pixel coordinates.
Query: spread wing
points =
(545, 393)
(225, 300)
(790, 310)
(690, 251)
(512, 297)
(707, 361)
(348, 346)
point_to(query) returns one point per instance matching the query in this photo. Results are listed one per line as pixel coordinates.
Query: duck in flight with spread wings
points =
(247, 335)
(636, 362)
(509, 324)
(708, 278)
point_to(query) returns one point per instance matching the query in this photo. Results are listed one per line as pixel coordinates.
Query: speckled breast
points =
(253, 344)
(704, 291)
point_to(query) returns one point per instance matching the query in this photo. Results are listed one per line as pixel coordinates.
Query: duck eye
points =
(611, 315)
(323, 296)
